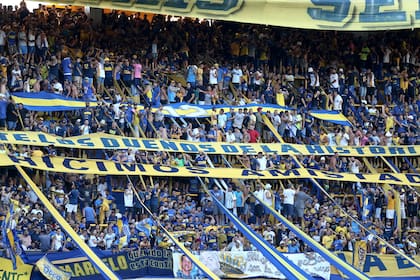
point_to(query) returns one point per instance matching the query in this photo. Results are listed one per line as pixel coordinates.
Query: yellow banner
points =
(311, 14)
(107, 141)
(388, 266)
(107, 167)
(50, 271)
(23, 271)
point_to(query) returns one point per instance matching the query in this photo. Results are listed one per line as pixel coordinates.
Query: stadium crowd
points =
(130, 60)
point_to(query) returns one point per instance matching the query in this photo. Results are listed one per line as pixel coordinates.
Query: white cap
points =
(267, 187)
(322, 158)
(364, 102)
(310, 69)
(410, 117)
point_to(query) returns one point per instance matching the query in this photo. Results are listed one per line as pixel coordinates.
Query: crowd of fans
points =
(129, 61)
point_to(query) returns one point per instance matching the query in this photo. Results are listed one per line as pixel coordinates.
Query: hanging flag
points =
(359, 254)
(50, 271)
(8, 238)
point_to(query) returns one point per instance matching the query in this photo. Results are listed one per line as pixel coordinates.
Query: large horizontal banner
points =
(247, 264)
(384, 266)
(132, 264)
(50, 102)
(107, 167)
(312, 14)
(106, 141)
(23, 271)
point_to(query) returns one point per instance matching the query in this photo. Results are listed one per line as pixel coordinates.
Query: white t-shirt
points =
(236, 76)
(238, 120)
(262, 162)
(213, 76)
(230, 138)
(338, 102)
(334, 80)
(344, 140)
(128, 198)
(230, 200)
(93, 241)
(221, 120)
(289, 196)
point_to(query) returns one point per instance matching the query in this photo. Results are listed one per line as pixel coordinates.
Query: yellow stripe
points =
(109, 274)
(329, 117)
(49, 102)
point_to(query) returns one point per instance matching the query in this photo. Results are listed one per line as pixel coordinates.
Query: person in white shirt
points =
(289, 200)
(268, 196)
(338, 101)
(93, 239)
(57, 240)
(238, 119)
(129, 200)
(236, 75)
(213, 76)
(334, 79)
(230, 200)
(262, 161)
(345, 138)
(269, 235)
(230, 137)
(314, 78)
(221, 119)
(276, 120)
(85, 128)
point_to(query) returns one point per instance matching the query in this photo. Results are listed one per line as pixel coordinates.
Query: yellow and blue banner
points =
(331, 116)
(50, 271)
(107, 167)
(21, 272)
(111, 142)
(359, 254)
(47, 102)
(383, 266)
(356, 15)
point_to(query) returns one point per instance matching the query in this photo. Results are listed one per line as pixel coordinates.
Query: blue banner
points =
(128, 264)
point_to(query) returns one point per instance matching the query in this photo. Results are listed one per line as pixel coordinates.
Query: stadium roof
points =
(351, 15)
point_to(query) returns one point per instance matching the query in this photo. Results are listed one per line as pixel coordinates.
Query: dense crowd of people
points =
(131, 61)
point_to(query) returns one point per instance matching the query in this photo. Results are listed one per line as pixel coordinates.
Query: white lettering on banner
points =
(250, 264)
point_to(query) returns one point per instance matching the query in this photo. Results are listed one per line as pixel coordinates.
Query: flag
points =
(365, 208)
(7, 235)
(359, 254)
(50, 271)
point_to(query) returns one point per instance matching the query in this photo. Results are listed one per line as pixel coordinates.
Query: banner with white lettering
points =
(247, 264)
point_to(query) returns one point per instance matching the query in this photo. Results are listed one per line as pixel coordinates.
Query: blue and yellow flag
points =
(331, 116)
(359, 254)
(50, 271)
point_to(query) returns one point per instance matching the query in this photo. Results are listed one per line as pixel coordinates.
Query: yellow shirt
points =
(327, 241)
(389, 123)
